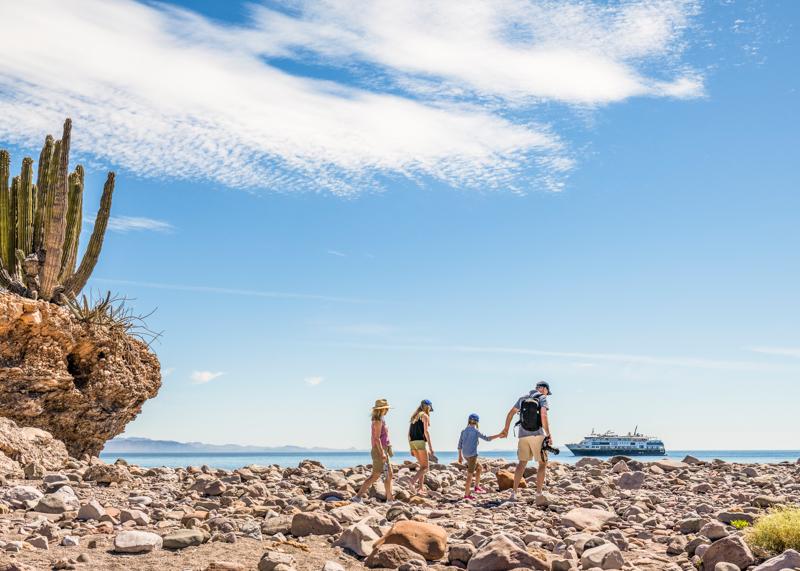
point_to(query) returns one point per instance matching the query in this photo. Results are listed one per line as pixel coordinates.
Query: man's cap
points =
(474, 416)
(544, 384)
(428, 403)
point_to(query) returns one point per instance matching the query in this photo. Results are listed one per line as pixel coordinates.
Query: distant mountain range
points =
(140, 445)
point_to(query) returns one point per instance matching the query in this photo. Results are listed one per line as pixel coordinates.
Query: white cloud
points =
(573, 51)
(620, 358)
(233, 291)
(314, 381)
(125, 224)
(202, 377)
(166, 92)
(782, 351)
(337, 253)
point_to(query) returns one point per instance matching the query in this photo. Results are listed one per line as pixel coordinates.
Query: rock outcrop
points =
(28, 449)
(82, 383)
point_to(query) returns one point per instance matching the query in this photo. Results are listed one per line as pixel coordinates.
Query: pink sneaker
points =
(469, 497)
(479, 490)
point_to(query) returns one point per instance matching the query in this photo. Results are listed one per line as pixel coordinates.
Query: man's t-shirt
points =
(542, 402)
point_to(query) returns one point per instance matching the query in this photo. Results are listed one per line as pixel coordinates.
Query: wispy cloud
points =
(233, 291)
(202, 377)
(433, 89)
(519, 50)
(621, 358)
(337, 253)
(782, 351)
(125, 224)
(314, 381)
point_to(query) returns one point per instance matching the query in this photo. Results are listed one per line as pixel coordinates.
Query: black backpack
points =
(530, 415)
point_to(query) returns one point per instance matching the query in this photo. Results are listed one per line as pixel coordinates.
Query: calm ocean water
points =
(334, 460)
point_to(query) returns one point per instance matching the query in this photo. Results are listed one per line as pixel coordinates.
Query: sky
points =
(332, 202)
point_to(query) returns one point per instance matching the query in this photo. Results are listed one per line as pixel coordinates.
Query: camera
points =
(546, 447)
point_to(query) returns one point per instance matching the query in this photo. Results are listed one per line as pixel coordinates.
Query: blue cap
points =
(426, 402)
(474, 416)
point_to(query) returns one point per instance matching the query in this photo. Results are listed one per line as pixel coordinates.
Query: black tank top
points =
(417, 430)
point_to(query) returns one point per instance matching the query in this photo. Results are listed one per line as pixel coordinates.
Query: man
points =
(532, 438)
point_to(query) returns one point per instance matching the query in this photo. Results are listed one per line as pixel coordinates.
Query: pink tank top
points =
(384, 435)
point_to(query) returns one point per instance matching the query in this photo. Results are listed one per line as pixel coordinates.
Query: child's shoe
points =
(469, 498)
(479, 490)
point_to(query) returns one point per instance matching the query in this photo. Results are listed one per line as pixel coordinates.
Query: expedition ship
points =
(611, 444)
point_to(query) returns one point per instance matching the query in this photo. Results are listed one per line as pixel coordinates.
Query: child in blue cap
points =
(468, 448)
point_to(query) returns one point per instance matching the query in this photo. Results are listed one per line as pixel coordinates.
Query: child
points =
(468, 448)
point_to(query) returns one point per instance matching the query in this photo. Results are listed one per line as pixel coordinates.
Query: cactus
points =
(40, 224)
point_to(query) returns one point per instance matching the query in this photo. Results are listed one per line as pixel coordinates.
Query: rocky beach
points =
(58, 512)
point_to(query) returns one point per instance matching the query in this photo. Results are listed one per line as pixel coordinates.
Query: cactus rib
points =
(77, 281)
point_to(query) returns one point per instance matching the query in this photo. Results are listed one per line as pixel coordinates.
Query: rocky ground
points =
(618, 514)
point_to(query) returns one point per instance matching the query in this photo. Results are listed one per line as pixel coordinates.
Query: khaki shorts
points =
(418, 445)
(378, 463)
(472, 464)
(530, 448)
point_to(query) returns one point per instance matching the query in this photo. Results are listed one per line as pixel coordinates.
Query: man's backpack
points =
(530, 415)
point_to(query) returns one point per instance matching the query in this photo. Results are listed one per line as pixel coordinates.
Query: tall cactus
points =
(40, 224)
(75, 283)
(6, 227)
(55, 219)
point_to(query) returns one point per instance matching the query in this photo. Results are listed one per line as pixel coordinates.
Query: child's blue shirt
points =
(468, 442)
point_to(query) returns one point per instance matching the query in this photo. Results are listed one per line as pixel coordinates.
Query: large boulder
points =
(80, 382)
(789, 559)
(502, 553)
(587, 518)
(427, 539)
(133, 541)
(505, 480)
(314, 523)
(358, 538)
(182, 538)
(731, 549)
(631, 480)
(25, 446)
(605, 556)
(391, 557)
(669, 465)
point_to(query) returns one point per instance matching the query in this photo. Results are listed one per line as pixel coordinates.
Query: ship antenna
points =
(636, 430)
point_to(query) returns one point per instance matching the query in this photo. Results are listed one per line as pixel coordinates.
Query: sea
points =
(337, 460)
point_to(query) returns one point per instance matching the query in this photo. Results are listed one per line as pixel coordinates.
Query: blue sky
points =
(330, 204)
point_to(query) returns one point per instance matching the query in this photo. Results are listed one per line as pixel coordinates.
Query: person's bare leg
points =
(540, 474)
(422, 456)
(518, 473)
(369, 481)
(388, 485)
(478, 472)
(469, 484)
(419, 478)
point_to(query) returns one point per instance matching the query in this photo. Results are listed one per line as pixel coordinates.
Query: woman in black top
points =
(419, 440)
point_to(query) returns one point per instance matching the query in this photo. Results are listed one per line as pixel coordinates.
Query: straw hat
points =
(381, 403)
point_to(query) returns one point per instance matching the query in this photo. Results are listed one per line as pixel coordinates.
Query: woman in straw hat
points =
(381, 451)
